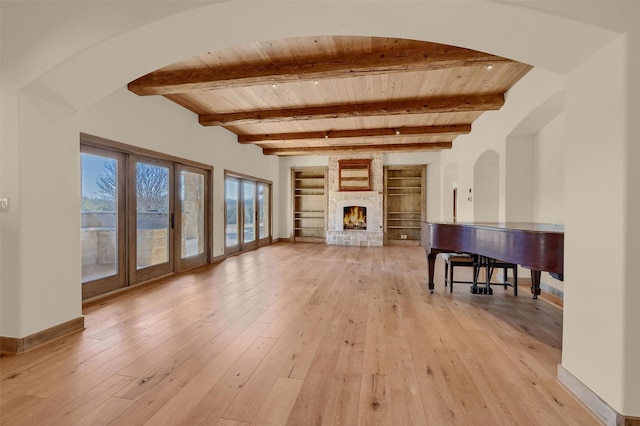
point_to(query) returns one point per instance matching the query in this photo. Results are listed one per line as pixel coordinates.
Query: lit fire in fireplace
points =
(355, 217)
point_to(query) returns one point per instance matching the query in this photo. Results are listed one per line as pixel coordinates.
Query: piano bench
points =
(451, 260)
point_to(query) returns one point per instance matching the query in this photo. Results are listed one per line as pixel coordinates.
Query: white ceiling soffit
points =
(509, 30)
(540, 116)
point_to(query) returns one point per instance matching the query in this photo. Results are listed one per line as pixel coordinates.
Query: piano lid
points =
(537, 246)
(520, 226)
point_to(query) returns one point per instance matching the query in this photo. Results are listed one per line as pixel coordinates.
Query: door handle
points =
(173, 220)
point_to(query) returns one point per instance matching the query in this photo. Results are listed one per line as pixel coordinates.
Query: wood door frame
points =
(136, 275)
(229, 250)
(455, 204)
(249, 245)
(102, 285)
(206, 257)
(130, 153)
(268, 239)
(241, 246)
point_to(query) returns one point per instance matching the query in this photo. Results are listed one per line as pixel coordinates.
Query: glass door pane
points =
(232, 219)
(99, 217)
(263, 210)
(154, 220)
(152, 214)
(191, 217)
(192, 210)
(102, 221)
(249, 213)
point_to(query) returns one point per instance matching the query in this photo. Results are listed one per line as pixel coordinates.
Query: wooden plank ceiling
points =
(340, 94)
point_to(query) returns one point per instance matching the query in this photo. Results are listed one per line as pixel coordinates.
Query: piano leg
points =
(490, 263)
(486, 263)
(476, 275)
(535, 283)
(431, 257)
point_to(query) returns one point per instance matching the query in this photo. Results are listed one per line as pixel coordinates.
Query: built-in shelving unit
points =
(309, 203)
(404, 203)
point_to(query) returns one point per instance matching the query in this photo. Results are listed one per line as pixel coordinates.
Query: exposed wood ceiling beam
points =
(413, 106)
(351, 149)
(181, 81)
(452, 129)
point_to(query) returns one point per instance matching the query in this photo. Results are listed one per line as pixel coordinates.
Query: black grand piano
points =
(535, 246)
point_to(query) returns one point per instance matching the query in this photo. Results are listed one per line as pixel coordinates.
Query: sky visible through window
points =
(92, 166)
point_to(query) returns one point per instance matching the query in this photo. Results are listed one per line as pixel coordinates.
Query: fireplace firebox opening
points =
(354, 218)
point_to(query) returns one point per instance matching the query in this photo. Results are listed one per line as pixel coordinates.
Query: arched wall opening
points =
(40, 120)
(534, 153)
(211, 26)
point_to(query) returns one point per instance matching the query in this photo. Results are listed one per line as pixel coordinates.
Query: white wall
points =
(548, 173)
(519, 170)
(491, 131)
(631, 403)
(594, 346)
(485, 193)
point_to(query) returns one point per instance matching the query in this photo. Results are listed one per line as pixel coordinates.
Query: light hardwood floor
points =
(300, 334)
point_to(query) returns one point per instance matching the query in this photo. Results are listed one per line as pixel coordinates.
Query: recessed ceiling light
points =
(489, 66)
(274, 85)
(316, 82)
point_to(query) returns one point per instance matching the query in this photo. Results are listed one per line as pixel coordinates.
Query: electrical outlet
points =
(4, 204)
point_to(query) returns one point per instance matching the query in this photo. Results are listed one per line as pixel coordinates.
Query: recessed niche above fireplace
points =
(354, 175)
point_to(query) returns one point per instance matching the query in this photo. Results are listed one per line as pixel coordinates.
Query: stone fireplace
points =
(364, 227)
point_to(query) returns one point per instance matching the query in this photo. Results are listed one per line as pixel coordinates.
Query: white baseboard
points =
(552, 290)
(590, 399)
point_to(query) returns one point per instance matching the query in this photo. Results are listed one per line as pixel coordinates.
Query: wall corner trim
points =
(593, 402)
(15, 346)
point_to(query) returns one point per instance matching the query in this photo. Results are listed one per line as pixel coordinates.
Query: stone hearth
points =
(372, 200)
